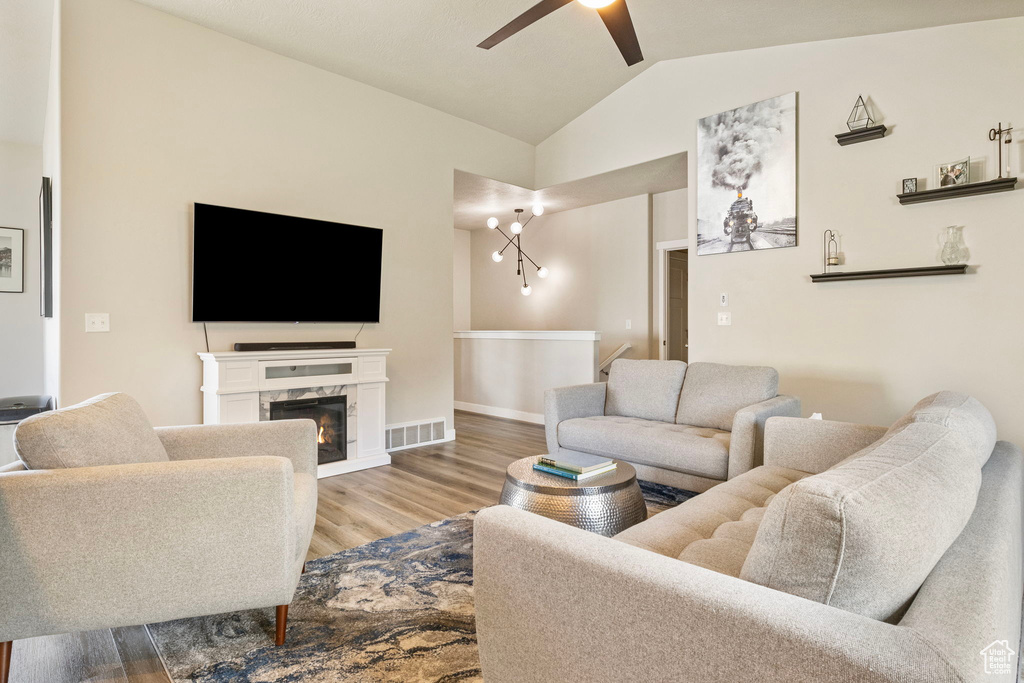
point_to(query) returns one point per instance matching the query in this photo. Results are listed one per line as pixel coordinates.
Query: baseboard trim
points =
(494, 411)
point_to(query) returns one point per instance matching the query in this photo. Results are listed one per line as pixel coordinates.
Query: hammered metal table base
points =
(606, 504)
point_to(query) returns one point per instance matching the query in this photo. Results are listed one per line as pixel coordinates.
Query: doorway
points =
(676, 332)
(672, 308)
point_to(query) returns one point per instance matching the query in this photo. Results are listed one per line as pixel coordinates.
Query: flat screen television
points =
(250, 266)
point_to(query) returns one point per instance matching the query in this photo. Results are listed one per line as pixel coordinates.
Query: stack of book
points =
(577, 466)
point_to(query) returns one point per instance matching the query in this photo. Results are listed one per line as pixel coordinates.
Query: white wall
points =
(598, 257)
(462, 281)
(863, 351)
(51, 169)
(159, 113)
(21, 327)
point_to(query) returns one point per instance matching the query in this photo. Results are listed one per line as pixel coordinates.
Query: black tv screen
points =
(250, 266)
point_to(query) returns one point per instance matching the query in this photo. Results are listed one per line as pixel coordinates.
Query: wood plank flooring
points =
(421, 486)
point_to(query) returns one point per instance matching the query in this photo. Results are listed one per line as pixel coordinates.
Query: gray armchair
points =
(210, 519)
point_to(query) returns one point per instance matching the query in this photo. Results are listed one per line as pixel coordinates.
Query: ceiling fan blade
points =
(538, 11)
(616, 19)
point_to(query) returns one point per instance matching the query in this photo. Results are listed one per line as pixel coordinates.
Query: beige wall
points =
(462, 281)
(21, 328)
(508, 377)
(863, 351)
(158, 114)
(598, 257)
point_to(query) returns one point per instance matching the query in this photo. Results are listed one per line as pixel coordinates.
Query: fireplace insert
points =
(330, 414)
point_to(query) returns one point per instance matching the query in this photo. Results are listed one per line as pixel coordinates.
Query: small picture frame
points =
(953, 173)
(12, 260)
(909, 185)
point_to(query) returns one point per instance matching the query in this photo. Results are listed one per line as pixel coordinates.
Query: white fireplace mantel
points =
(233, 382)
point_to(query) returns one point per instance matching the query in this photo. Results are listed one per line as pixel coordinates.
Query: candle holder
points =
(829, 251)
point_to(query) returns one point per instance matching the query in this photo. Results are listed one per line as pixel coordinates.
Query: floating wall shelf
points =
(861, 135)
(951, 191)
(893, 272)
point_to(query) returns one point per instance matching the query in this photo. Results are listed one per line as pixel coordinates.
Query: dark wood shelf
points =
(959, 269)
(862, 135)
(952, 191)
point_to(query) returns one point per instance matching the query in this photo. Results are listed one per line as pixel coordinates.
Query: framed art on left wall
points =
(12, 260)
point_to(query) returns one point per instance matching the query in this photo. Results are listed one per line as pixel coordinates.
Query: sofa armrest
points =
(555, 603)
(119, 545)
(566, 403)
(291, 439)
(746, 444)
(814, 445)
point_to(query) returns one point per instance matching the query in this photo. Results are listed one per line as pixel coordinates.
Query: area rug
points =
(397, 609)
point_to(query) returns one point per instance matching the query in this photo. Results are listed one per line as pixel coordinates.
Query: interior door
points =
(677, 285)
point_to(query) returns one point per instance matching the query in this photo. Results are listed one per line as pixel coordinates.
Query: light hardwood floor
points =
(421, 486)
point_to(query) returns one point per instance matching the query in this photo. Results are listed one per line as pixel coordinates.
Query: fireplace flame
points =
(326, 433)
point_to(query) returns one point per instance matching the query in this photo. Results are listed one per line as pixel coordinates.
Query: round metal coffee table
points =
(605, 504)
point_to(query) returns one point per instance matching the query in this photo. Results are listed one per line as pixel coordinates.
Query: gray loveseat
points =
(855, 553)
(689, 426)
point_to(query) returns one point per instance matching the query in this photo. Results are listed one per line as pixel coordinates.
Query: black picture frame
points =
(46, 249)
(16, 272)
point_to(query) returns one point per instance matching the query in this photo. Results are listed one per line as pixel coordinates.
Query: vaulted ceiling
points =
(540, 79)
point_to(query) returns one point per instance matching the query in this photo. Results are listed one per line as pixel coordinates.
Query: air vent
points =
(412, 434)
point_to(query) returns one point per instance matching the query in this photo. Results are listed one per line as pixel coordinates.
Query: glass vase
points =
(953, 250)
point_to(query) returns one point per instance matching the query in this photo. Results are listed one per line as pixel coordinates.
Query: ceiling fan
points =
(614, 13)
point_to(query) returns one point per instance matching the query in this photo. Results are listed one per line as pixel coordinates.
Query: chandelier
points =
(516, 241)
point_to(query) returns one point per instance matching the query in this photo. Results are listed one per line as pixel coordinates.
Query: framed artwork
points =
(955, 173)
(12, 260)
(909, 185)
(746, 178)
(46, 249)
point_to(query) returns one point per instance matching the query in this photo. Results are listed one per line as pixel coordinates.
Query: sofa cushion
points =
(681, 448)
(959, 412)
(864, 535)
(715, 529)
(648, 389)
(712, 393)
(109, 429)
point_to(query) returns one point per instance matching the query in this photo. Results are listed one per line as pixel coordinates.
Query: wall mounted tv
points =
(250, 266)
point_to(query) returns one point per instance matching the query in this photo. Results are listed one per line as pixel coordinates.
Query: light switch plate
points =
(725, 318)
(629, 324)
(723, 299)
(97, 322)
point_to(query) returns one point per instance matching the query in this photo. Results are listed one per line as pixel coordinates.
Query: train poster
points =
(746, 178)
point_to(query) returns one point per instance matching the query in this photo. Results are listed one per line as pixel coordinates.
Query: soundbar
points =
(294, 346)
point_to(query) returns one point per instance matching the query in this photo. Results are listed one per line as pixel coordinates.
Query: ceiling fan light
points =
(596, 4)
(492, 222)
(516, 228)
(496, 257)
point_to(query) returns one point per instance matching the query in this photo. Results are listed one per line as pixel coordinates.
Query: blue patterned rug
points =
(398, 609)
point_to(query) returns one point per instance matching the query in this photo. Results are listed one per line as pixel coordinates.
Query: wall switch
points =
(725, 318)
(97, 322)
(629, 324)
(723, 299)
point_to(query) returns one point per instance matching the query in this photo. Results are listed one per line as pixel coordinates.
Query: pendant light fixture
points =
(516, 228)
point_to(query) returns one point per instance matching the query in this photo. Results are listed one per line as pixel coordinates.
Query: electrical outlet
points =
(97, 322)
(629, 324)
(725, 318)
(723, 299)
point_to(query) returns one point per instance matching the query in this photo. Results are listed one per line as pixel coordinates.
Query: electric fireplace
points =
(330, 414)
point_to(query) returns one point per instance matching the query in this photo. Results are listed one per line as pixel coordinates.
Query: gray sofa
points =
(854, 553)
(689, 426)
(107, 522)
